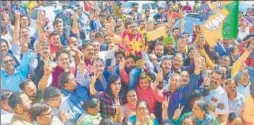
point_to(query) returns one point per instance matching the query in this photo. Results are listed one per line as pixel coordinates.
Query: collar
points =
(16, 71)
(24, 117)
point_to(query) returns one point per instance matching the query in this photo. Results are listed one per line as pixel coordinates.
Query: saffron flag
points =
(222, 25)
(155, 34)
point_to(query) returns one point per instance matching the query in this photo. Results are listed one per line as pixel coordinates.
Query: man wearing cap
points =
(248, 109)
(92, 115)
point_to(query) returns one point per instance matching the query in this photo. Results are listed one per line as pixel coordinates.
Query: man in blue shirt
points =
(75, 94)
(11, 76)
(181, 95)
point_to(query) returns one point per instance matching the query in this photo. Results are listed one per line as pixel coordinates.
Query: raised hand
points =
(178, 112)
(140, 63)
(17, 15)
(159, 76)
(41, 18)
(63, 116)
(165, 104)
(93, 80)
(82, 65)
(75, 17)
(118, 106)
(47, 68)
(207, 81)
(197, 62)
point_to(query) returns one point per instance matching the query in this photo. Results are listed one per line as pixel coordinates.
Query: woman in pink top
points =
(130, 106)
(146, 91)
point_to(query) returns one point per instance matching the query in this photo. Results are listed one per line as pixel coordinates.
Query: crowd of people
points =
(94, 64)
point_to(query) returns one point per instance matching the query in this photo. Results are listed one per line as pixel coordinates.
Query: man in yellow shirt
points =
(248, 109)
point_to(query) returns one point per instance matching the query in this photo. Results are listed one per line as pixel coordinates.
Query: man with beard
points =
(29, 88)
(55, 43)
(217, 97)
(129, 73)
(21, 105)
(176, 32)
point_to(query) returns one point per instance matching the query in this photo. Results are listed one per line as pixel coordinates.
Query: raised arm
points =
(237, 65)
(92, 85)
(192, 85)
(16, 29)
(46, 78)
(75, 29)
(40, 23)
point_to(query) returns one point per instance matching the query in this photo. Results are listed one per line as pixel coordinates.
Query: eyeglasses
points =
(7, 61)
(48, 114)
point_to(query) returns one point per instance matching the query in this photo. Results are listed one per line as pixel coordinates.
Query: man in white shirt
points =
(217, 97)
(243, 83)
(235, 99)
(6, 111)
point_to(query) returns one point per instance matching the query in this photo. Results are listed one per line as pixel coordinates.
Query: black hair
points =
(131, 56)
(106, 121)
(120, 52)
(112, 79)
(232, 116)
(85, 45)
(5, 94)
(24, 83)
(63, 78)
(21, 16)
(50, 92)
(127, 23)
(130, 90)
(15, 99)
(218, 71)
(91, 103)
(52, 34)
(57, 21)
(37, 109)
(5, 41)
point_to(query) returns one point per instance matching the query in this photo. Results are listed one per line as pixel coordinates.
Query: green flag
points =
(230, 24)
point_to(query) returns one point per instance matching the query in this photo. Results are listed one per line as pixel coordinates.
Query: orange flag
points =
(212, 28)
(155, 34)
